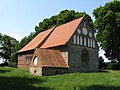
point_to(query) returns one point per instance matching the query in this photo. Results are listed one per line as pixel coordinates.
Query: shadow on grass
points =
(4, 71)
(103, 71)
(20, 83)
(100, 87)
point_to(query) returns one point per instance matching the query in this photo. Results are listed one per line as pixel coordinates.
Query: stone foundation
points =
(46, 71)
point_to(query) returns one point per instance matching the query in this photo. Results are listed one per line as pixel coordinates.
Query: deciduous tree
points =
(107, 24)
(7, 46)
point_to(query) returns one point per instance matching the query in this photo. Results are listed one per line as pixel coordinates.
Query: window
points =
(93, 43)
(84, 23)
(88, 42)
(79, 31)
(85, 58)
(74, 40)
(84, 41)
(78, 39)
(35, 61)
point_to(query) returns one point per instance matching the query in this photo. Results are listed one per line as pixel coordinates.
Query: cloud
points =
(1, 60)
(101, 53)
(15, 35)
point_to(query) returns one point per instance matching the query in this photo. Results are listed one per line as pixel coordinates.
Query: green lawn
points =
(17, 79)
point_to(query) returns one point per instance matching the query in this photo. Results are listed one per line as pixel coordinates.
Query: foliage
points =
(102, 64)
(7, 47)
(56, 20)
(18, 79)
(14, 59)
(107, 24)
(116, 0)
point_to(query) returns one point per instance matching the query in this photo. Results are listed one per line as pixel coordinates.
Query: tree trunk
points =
(118, 59)
(118, 65)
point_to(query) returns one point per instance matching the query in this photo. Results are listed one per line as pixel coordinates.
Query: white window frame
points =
(74, 39)
(78, 39)
(85, 43)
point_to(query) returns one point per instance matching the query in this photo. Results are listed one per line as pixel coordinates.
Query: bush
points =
(13, 64)
(4, 64)
(113, 65)
(116, 66)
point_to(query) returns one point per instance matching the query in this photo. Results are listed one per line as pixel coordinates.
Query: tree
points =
(14, 59)
(116, 0)
(0, 45)
(107, 24)
(7, 46)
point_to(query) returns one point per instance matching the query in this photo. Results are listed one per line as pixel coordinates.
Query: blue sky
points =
(19, 17)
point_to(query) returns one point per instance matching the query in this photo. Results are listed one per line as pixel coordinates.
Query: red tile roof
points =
(55, 36)
(49, 58)
(36, 41)
(61, 34)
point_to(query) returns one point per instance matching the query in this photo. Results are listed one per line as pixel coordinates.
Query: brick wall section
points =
(24, 59)
(50, 62)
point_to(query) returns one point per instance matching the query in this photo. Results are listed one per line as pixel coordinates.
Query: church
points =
(67, 48)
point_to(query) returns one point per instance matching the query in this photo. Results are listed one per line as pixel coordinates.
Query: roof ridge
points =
(28, 45)
(78, 24)
(72, 20)
(44, 40)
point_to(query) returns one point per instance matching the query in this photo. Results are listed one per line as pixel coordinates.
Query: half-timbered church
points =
(67, 48)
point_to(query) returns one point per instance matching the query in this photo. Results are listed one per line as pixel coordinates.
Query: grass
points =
(18, 79)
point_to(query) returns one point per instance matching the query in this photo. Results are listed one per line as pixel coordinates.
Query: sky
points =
(18, 18)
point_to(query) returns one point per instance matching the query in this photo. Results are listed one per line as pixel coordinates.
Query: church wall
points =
(75, 60)
(46, 71)
(53, 71)
(24, 59)
(80, 41)
(35, 71)
(64, 51)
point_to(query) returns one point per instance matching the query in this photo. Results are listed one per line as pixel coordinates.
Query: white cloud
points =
(1, 60)
(16, 36)
(101, 53)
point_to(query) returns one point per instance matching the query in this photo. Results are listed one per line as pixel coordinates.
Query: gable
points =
(84, 35)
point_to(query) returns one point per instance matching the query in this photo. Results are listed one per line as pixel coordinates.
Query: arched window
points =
(85, 58)
(78, 39)
(93, 43)
(84, 41)
(74, 39)
(35, 61)
(84, 23)
(88, 42)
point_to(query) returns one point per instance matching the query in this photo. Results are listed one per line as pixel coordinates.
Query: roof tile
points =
(55, 36)
(61, 34)
(36, 41)
(49, 58)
